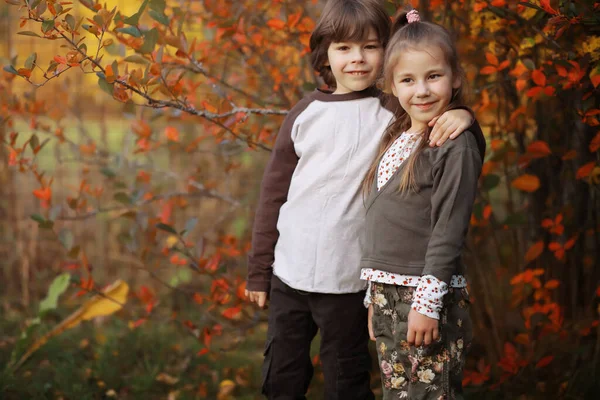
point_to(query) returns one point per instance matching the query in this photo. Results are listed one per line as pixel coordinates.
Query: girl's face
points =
(355, 65)
(423, 83)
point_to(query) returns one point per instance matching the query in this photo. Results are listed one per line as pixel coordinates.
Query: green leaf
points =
(490, 181)
(166, 228)
(309, 86)
(109, 173)
(38, 218)
(158, 5)
(137, 59)
(11, 69)
(58, 286)
(30, 62)
(528, 62)
(104, 85)
(28, 33)
(33, 3)
(70, 21)
(34, 142)
(159, 54)
(66, 238)
(150, 39)
(182, 276)
(115, 67)
(159, 17)
(130, 30)
(122, 197)
(47, 25)
(46, 225)
(135, 18)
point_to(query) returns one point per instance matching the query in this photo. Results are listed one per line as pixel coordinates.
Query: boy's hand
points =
(259, 298)
(370, 319)
(449, 125)
(421, 329)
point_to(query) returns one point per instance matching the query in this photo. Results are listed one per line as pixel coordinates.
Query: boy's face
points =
(355, 65)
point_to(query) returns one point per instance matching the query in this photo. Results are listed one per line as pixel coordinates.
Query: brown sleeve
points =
(273, 194)
(454, 188)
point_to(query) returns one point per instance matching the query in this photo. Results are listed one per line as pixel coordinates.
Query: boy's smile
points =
(355, 65)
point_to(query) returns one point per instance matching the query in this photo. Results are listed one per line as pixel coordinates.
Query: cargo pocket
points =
(266, 368)
(353, 380)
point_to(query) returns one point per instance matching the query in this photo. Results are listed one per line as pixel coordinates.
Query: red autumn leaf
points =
(141, 128)
(526, 183)
(521, 84)
(534, 251)
(562, 71)
(213, 263)
(570, 155)
(276, 23)
(595, 79)
(534, 91)
(492, 59)
(544, 361)
(60, 60)
(24, 72)
(12, 157)
(202, 352)
(585, 170)
(539, 148)
(503, 65)
(570, 243)
(552, 284)
(554, 246)
(498, 3)
(538, 77)
(110, 75)
(549, 90)
(241, 291)
(488, 70)
(546, 6)
(232, 312)
(44, 194)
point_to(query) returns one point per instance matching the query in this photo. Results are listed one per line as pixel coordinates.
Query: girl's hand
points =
(421, 329)
(449, 125)
(259, 298)
(370, 319)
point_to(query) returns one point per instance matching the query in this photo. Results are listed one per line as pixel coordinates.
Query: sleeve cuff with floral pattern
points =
(367, 301)
(429, 295)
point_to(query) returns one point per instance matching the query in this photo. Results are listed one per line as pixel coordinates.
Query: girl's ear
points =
(457, 83)
(394, 90)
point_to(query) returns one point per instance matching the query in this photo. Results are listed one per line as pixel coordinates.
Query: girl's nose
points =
(422, 89)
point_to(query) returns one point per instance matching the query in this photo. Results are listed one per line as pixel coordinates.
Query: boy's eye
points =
(342, 47)
(372, 46)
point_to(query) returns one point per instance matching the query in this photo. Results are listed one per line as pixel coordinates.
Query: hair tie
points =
(413, 16)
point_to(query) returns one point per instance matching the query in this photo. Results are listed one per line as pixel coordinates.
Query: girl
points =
(418, 211)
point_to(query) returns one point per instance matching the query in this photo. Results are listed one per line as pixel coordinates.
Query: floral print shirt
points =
(430, 290)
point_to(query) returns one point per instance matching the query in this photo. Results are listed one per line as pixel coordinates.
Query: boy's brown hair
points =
(344, 21)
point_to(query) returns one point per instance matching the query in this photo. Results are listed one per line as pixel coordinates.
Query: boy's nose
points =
(358, 55)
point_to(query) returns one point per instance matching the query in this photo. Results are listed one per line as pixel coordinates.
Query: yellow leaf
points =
(110, 301)
(226, 389)
(526, 183)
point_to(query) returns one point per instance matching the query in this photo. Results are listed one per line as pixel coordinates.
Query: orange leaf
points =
(202, 352)
(552, 284)
(570, 243)
(595, 79)
(276, 23)
(172, 134)
(570, 155)
(521, 84)
(498, 3)
(232, 312)
(534, 91)
(539, 148)
(110, 75)
(141, 128)
(526, 183)
(538, 77)
(585, 170)
(534, 251)
(546, 6)
(503, 65)
(209, 107)
(488, 70)
(549, 90)
(43, 194)
(497, 144)
(60, 60)
(544, 361)
(492, 59)
(24, 72)
(562, 71)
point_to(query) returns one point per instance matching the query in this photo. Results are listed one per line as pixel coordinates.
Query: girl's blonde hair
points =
(408, 37)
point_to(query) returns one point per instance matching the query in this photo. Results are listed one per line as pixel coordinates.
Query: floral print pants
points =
(425, 372)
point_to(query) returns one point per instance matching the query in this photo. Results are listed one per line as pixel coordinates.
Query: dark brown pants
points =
(294, 318)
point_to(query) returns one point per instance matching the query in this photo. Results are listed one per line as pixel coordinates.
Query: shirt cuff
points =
(429, 295)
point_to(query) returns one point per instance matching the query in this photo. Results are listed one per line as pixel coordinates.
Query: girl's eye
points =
(434, 76)
(405, 80)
